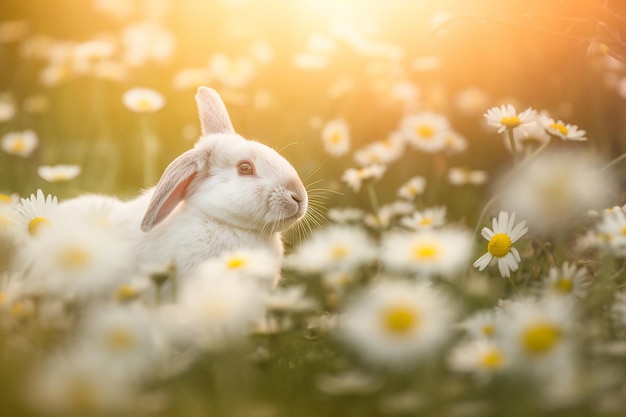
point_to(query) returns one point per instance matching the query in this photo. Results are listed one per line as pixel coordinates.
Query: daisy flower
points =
(79, 384)
(481, 325)
(431, 252)
(338, 281)
(426, 131)
(7, 107)
(479, 356)
(232, 72)
(258, 264)
(567, 281)
(562, 130)
(217, 312)
(500, 248)
(334, 248)
(528, 137)
(57, 173)
(610, 231)
(381, 152)
(387, 213)
(471, 101)
(336, 137)
(412, 188)
(345, 215)
(143, 100)
(505, 117)
(121, 336)
(37, 212)
(396, 323)
(425, 219)
(549, 194)
(455, 142)
(537, 335)
(8, 221)
(355, 177)
(73, 258)
(147, 41)
(188, 78)
(463, 176)
(20, 143)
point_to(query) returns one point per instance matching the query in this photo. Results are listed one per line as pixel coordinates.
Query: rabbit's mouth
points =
(290, 206)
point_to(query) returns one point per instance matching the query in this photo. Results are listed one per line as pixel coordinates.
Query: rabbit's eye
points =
(245, 168)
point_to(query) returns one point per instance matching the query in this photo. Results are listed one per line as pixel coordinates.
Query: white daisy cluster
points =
(425, 132)
(76, 275)
(536, 338)
(522, 128)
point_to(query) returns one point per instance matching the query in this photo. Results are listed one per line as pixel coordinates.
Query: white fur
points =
(218, 209)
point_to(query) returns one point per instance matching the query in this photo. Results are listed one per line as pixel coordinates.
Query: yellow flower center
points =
(510, 121)
(624, 230)
(120, 339)
(499, 245)
(74, 258)
(5, 198)
(400, 320)
(488, 329)
(58, 176)
(126, 293)
(426, 251)
(144, 104)
(540, 338)
(35, 225)
(425, 131)
(563, 285)
(559, 127)
(339, 252)
(335, 138)
(18, 145)
(426, 221)
(236, 262)
(492, 359)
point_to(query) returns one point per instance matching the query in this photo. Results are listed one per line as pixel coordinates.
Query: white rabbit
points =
(227, 192)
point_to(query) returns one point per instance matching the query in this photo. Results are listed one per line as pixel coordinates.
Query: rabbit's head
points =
(229, 179)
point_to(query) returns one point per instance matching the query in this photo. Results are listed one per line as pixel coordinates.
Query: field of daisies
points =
(463, 252)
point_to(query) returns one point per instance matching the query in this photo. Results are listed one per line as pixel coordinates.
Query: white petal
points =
(482, 262)
(515, 254)
(486, 233)
(503, 222)
(511, 223)
(511, 262)
(518, 231)
(503, 268)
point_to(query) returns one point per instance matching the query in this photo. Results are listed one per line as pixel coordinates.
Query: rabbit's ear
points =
(212, 111)
(172, 186)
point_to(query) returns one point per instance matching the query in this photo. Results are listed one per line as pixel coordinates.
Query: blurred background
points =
(285, 68)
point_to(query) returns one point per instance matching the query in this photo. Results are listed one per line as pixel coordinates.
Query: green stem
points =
(513, 285)
(511, 136)
(613, 162)
(371, 192)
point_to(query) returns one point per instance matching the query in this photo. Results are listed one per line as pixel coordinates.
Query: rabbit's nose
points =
(296, 197)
